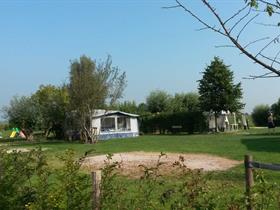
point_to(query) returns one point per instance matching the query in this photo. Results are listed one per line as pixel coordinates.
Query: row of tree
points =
(60, 109)
(159, 101)
(216, 92)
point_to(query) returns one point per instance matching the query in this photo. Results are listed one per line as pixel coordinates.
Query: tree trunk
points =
(47, 132)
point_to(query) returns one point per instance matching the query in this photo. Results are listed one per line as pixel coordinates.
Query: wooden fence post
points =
(96, 182)
(249, 179)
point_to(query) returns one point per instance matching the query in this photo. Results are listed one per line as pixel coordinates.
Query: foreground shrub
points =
(27, 182)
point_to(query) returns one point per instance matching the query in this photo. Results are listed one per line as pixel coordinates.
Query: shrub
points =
(190, 121)
(260, 114)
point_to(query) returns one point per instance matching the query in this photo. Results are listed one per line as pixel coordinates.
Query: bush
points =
(189, 121)
(26, 182)
(260, 114)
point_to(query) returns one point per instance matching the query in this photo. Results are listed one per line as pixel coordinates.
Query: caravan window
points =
(108, 124)
(124, 124)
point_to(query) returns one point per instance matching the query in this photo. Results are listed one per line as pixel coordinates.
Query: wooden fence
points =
(249, 164)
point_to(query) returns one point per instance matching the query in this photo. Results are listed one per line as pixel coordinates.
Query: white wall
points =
(97, 123)
(134, 125)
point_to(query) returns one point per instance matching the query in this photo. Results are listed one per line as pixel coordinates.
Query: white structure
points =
(226, 121)
(115, 124)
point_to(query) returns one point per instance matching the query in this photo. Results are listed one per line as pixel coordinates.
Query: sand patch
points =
(130, 162)
(22, 150)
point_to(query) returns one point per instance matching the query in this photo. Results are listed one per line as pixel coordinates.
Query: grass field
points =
(264, 147)
(257, 142)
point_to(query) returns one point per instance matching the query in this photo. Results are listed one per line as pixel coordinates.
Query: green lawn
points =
(257, 142)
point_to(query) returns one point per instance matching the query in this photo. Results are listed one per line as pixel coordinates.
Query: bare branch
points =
(269, 43)
(274, 60)
(271, 4)
(171, 7)
(203, 28)
(235, 39)
(219, 46)
(236, 14)
(266, 75)
(237, 44)
(263, 11)
(265, 24)
(253, 42)
(242, 18)
(246, 26)
(199, 19)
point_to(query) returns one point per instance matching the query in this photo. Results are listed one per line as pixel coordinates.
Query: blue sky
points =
(158, 48)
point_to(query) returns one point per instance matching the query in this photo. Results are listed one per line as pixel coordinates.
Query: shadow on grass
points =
(269, 143)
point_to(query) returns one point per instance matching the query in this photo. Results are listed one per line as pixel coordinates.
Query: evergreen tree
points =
(217, 89)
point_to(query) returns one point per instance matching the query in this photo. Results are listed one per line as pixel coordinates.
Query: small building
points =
(115, 124)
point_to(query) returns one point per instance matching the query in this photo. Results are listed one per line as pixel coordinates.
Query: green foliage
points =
(158, 101)
(217, 90)
(269, 6)
(53, 103)
(190, 121)
(17, 171)
(150, 181)
(192, 192)
(269, 9)
(22, 112)
(264, 193)
(26, 182)
(184, 102)
(112, 191)
(40, 187)
(275, 108)
(91, 85)
(128, 106)
(260, 114)
(4, 126)
(73, 188)
(252, 3)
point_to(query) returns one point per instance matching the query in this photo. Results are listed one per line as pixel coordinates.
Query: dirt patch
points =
(18, 150)
(22, 150)
(130, 162)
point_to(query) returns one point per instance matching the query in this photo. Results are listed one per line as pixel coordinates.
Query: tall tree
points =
(53, 103)
(217, 89)
(91, 87)
(233, 27)
(158, 101)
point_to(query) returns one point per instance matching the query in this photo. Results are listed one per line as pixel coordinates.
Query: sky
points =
(159, 49)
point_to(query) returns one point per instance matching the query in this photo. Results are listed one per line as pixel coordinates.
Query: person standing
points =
(244, 122)
(270, 122)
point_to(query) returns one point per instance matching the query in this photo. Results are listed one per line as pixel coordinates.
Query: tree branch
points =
(235, 40)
